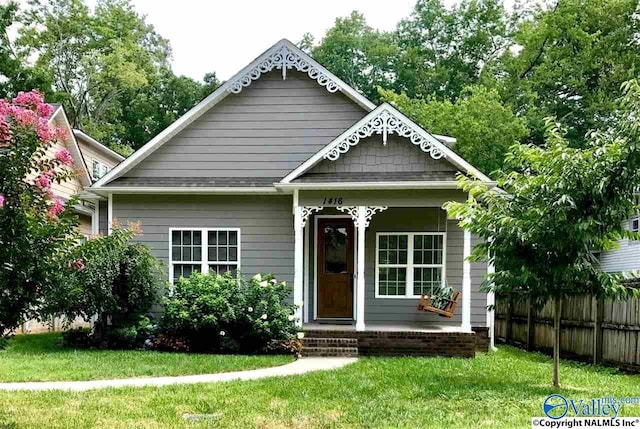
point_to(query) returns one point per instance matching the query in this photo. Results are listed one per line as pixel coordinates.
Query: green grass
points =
(39, 358)
(503, 389)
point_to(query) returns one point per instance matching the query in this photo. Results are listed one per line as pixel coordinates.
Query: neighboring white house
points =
(626, 258)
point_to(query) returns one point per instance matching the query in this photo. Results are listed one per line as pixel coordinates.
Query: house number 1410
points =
(332, 201)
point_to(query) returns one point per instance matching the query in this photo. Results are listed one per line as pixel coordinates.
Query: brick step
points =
(329, 342)
(325, 333)
(330, 351)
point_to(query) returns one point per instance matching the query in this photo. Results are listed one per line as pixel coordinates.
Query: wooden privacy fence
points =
(595, 330)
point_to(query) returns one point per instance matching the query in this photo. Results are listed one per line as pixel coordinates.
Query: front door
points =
(335, 268)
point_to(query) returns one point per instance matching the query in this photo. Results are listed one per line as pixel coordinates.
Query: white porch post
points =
(110, 214)
(466, 282)
(491, 313)
(298, 225)
(361, 226)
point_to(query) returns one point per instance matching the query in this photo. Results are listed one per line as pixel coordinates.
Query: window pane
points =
(335, 249)
(403, 242)
(213, 237)
(402, 257)
(383, 241)
(233, 253)
(383, 257)
(417, 242)
(417, 257)
(233, 238)
(213, 253)
(175, 253)
(392, 281)
(197, 253)
(222, 254)
(393, 242)
(197, 238)
(186, 237)
(222, 237)
(175, 237)
(186, 253)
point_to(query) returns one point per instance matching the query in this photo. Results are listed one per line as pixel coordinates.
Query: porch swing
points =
(443, 304)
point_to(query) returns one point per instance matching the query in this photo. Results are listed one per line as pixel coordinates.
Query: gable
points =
(265, 131)
(371, 160)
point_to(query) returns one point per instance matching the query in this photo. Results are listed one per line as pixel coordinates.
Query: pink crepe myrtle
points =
(64, 156)
(77, 264)
(56, 208)
(34, 101)
(1, 201)
(45, 179)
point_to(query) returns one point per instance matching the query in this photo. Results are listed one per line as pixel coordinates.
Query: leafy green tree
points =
(571, 61)
(15, 74)
(559, 205)
(357, 54)
(484, 127)
(37, 230)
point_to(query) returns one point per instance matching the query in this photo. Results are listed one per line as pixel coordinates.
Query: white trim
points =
(183, 190)
(204, 262)
(79, 162)
(315, 268)
(409, 266)
(217, 96)
(96, 144)
(305, 273)
(95, 219)
(447, 184)
(298, 263)
(110, 214)
(424, 136)
(361, 230)
(466, 281)
(491, 314)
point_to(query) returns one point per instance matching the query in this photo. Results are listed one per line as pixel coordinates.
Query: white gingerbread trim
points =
(402, 124)
(307, 211)
(384, 122)
(353, 212)
(284, 59)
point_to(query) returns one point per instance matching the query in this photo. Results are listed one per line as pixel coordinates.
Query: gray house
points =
(285, 169)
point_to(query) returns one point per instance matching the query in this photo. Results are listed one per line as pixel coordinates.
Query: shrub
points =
(119, 282)
(222, 313)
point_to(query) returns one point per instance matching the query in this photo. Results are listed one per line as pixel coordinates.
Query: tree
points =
(571, 61)
(37, 230)
(483, 126)
(559, 205)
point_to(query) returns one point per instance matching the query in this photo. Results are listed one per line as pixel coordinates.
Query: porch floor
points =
(370, 327)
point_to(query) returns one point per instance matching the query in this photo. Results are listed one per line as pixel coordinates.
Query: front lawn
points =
(37, 357)
(503, 389)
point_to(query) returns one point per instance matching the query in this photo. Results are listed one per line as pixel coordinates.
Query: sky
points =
(224, 36)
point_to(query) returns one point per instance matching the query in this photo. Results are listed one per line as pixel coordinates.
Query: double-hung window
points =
(634, 226)
(409, 264)
(203, 250)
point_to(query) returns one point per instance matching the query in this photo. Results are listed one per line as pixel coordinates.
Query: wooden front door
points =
(335, 268)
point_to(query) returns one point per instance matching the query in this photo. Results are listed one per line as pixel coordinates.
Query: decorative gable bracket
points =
(283, 59)
(384, 122)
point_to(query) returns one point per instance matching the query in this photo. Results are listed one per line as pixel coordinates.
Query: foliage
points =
(118, 282)
(484, 127)
(101, 65)
(212, 312)
(570, 65)
(558, 205)
(36, 229)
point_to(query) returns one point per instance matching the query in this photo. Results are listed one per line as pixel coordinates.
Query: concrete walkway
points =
(300, 366)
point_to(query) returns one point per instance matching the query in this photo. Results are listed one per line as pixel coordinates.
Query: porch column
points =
(491, 313)
(298, 225)
(361, 226)
(466, 282)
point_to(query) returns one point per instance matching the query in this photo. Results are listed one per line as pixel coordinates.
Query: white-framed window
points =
(203, 250)
(99, 169)
(634, 226)
(409, 264)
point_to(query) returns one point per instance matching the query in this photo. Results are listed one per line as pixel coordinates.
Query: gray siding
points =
(265, 222)
(403, 310)
(103, 218)
(399, 155)
(267, 130)
(622, 260)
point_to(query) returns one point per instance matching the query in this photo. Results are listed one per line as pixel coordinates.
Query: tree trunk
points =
(557, 308)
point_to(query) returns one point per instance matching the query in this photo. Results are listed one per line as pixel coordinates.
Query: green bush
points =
(222, 313)
(118, 282)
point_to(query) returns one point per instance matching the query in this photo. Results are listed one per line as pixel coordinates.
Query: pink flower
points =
(1, 201)
(31, 100)
(44, 181)
(79, 264)
(64, 156)
(56, 208)
(46, 132)
(24, 117)
(45, 110)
